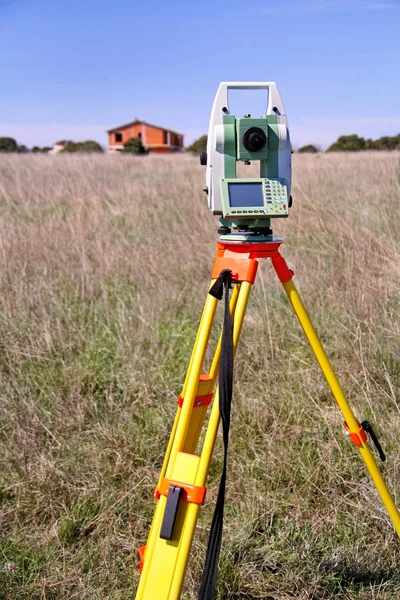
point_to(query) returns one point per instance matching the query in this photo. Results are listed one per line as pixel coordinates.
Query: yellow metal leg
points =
(340, 398)
(160, 556)
(199, 414)
(165, 561)
(206, 454)
(213, 423)
(205, 316)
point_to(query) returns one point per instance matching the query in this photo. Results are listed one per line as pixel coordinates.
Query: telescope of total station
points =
(245, 207)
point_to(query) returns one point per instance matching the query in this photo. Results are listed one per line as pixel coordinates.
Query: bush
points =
(134, 146)
(8, 144)
(198, 146)
(308, 148)
(87, 146)
(348, 143)
(384, 143)
(37, 149)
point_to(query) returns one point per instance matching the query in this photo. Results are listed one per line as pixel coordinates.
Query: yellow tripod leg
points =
(353, 425)
(205, 316)
(209, 440)
(160, 555)
(198, 416)
(206, 387)
(207, 450)
(165, 560)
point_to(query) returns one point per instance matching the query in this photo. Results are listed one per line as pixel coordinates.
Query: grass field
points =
(105, 263)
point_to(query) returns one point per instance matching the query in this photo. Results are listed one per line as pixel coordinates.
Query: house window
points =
(165, 137)
(118, 137)
(140, 135)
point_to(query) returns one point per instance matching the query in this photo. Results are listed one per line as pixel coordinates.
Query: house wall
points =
(127, 134)
(161, 150)
(151, 136)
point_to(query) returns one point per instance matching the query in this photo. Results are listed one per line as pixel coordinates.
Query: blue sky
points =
(73, 68)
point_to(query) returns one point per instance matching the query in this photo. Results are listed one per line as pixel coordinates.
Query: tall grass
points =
(105, 263)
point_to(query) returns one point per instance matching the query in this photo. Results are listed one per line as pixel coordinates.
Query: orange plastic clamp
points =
(243, 269)
(357, 437)
(191, 493)
(141, 551)
(198, 401)
(282, 270)
(241, 259)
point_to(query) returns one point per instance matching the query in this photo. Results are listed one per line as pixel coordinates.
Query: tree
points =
(200, 145)
(87, 146)
(37, 149)
(348, 143)
(308, 148)
(385, 143)
(134, 146)
(8, 144)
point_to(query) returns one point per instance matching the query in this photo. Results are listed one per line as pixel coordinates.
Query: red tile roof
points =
(136, 122)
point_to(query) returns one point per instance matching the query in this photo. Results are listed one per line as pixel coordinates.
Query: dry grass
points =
(105, 263)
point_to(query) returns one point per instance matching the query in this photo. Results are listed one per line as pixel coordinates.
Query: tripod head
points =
(246, 205)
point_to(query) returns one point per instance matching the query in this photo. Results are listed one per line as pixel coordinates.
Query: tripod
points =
(181, 487)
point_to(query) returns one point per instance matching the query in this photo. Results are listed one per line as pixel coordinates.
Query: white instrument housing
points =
(215, 145)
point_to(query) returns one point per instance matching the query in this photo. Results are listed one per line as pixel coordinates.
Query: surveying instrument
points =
(245, 207)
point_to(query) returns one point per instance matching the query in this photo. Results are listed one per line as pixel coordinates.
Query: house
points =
(154, 138)
(58, 146)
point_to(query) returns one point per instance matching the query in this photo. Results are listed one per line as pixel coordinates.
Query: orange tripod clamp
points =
(242, 260)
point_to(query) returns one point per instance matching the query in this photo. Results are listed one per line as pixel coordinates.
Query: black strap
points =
(209, 579)
(366, 425)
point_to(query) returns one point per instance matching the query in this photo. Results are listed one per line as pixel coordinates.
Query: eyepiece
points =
(254, 139)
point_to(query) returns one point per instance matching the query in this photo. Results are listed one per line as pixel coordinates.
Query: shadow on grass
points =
(343, 577)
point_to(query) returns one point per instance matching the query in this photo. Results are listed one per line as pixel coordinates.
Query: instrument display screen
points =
(245, 194)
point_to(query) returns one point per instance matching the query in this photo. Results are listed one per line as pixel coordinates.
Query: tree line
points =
(344, 143)
(8, 144)
(132, 146)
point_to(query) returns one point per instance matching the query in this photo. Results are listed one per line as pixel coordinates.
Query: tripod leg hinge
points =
(195, 494)
(357, 437)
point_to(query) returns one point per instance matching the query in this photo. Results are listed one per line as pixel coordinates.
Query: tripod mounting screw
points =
(203, 158)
